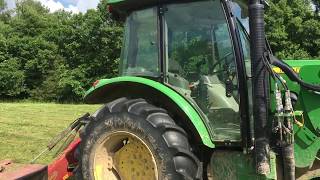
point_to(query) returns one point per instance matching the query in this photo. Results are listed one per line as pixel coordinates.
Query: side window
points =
(140, 52)
(201, 63)
(240, 9)
(147, 53)
(245, 44)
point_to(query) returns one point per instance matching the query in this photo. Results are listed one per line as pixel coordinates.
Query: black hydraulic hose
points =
(274, 75)
(260, 86)
(288, 162)
(293, 76)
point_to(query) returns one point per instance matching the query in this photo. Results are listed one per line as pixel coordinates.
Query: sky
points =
(74, 6)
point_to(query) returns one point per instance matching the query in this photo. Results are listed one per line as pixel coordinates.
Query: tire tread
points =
(175, 137)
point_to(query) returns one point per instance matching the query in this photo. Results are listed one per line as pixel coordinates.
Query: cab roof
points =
(127, 5)
(122, 7)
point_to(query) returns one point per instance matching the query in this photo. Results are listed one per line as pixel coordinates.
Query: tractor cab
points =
(196, 48)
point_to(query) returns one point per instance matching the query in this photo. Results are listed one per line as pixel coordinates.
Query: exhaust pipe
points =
(261, 101)
(260, 83)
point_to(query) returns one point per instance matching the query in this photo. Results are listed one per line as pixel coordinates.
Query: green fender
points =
(191, 113)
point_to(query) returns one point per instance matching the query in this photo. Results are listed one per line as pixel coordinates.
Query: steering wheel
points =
(223, 59)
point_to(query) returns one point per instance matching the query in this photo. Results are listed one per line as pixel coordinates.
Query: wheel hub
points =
(124, 156)
(134, 161)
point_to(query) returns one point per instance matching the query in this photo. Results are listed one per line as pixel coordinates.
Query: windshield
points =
(197, 40)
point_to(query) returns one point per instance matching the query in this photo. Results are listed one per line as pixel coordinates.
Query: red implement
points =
(60, 169)
(10, 170)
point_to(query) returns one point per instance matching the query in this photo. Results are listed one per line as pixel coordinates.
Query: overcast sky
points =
(68, 5)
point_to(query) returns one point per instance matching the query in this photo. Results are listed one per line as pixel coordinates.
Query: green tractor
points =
(198, 98)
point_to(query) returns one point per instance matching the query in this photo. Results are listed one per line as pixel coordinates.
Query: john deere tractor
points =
(199, 98)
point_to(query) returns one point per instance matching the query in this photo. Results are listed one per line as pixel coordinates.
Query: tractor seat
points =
(174, 75)
(217, 95)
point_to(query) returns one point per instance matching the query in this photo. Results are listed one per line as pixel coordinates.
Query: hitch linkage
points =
(73, 128)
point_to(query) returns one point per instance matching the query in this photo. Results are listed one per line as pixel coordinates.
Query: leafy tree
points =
(293, 29)
(31, 18)
(11, 78)
(4, 13)
(56, 56)
(2, 5)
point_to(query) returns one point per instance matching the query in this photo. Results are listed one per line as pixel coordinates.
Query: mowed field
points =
(26, 128)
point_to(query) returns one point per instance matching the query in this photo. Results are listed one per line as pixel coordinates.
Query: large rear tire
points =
(132, 139)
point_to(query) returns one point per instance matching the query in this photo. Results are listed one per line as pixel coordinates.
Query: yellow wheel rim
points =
(123, 155)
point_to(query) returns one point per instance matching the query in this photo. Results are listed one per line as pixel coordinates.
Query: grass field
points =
(26, 128)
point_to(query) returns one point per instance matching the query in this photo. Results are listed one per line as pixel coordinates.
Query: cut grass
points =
(26, 128)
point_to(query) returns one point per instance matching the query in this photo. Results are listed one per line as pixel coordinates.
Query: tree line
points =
(293, 28)
(56, 56)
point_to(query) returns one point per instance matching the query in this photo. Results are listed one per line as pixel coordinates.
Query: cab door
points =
(202, 64)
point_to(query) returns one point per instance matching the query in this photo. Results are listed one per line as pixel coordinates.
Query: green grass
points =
(26, 128)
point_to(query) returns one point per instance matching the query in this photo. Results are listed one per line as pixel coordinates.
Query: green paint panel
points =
(306, 146)
(114, 1)
(174, 96)
(311, 101)
(238, 166)
(302, 62)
